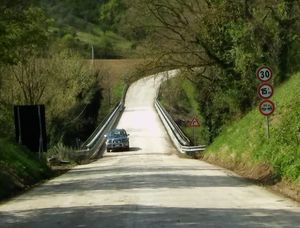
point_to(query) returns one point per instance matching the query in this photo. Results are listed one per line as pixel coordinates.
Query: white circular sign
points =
(264, 73)
(265, 91)
(266, 107)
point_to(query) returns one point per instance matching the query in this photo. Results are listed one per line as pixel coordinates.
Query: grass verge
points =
(245, 148)
(19, 169)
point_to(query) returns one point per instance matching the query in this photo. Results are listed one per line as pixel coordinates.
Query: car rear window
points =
(117, 134)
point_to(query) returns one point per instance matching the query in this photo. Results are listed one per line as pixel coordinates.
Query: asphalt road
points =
(148, 186)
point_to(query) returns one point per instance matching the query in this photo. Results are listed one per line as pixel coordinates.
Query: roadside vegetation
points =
(83, 25)
(46, 49)
(19, 168)
(42, 62)
(218, 45)
(243, 146)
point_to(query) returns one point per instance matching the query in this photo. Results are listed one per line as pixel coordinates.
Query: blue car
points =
(117, 139)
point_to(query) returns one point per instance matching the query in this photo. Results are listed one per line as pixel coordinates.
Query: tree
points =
(221, 43)
(111, 13)
(31, 78)
(23, 31)
(61, 81)
(286, 15)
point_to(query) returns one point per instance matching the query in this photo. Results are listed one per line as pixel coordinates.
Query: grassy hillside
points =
(19, 168)
(244, 147)
(77, 25)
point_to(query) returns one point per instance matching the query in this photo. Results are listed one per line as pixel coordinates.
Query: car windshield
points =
(117, 134)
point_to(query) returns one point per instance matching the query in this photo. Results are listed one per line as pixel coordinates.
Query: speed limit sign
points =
(265, 91)
(264, 73)
(266, 107)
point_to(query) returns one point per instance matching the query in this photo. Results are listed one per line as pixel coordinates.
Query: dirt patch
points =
(288, 189)
(13, 184)
(262, 174)
(61, 169)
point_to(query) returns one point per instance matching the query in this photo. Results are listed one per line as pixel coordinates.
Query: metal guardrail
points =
(92, 147)
(179, 139)
(171, 123)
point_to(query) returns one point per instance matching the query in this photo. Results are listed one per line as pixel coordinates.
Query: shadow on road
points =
(148, 216)
(124, 151)
(123, 178)
(135, 149)
(124, 170)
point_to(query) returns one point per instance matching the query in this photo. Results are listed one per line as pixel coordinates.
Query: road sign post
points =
(264, 73)
(266, 107)
(265, 92)
(194, 136)
(268, 127)
(194, 123)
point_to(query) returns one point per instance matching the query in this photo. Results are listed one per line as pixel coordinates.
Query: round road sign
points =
(266, 107)
(264, 73)
(265, 91)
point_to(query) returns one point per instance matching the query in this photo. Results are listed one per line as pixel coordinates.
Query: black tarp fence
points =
(30, 127)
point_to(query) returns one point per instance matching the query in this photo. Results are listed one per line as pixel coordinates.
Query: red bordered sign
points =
(264, 73)
(194, 122)
(265, 91)
(266, 107)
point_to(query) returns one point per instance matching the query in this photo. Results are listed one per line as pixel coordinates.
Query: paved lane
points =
(148, 186)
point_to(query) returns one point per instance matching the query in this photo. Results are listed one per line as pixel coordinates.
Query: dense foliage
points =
(34, 71)
(42, 47)
(89, 25)
(220, 44)
(23, 31)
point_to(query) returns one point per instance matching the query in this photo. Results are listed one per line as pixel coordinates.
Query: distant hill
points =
(77, 25)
